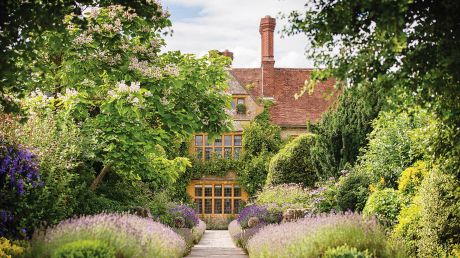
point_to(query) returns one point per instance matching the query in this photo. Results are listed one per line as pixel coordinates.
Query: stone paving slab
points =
(216, 244)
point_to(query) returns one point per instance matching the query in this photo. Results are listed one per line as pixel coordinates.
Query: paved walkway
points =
(216, 243)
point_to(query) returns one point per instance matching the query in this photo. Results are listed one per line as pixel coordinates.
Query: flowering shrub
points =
(129, 235)
(241, 237)
(261, 212)
(188, 214)
(312, 236)
(18, 170)
(19, 174)
(284, 196)
(324, 196)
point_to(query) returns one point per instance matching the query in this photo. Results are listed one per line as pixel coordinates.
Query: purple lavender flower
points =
(130, 235)
(261, 212)
(187, 213)
(299, 238)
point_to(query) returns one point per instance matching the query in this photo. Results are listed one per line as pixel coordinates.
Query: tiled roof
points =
(288, 111)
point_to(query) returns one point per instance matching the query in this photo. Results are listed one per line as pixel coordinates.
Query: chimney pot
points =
(227, 53)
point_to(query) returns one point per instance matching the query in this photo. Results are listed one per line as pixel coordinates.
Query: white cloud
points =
(234, 25)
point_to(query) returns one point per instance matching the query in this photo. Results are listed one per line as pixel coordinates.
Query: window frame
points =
(222, 197)
(201, 149)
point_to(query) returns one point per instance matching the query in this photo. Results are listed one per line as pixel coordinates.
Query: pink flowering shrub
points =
(130, 235)
(312, 236)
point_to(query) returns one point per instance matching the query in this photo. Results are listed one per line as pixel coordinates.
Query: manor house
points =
(223, 197)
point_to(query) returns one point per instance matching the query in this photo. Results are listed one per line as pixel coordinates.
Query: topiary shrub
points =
(84, 249)
(293, 163)
(345, 251)
(353, 191)
(384, 205)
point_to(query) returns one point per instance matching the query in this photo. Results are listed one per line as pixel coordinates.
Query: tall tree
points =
(22, 22)
(412, 46)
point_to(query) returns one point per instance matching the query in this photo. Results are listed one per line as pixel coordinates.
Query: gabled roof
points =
(288, 111)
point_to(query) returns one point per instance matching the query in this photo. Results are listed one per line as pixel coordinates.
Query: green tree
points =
(344, 128)
(411, 46)
(22, 22)
(129, 99)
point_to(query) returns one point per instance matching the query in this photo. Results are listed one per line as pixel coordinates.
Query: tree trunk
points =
(101, 176)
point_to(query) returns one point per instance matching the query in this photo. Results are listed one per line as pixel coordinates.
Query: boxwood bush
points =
(294, 164)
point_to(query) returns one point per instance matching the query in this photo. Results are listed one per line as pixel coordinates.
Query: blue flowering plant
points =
(19, 174)
(185, 215)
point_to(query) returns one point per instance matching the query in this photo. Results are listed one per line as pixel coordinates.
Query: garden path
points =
(216, 243)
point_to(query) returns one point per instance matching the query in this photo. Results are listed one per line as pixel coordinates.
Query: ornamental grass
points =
(313, 236)
(129, 235)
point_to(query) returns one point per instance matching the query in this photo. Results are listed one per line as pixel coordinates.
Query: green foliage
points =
(261, 140)
(131, 100)
(241, 109)
(261, 135)
(405, 48)
(389, 150)
(384, 205)
(284, 196)
(84, 249)
(293, 163)
(254, 173)
(440, 216)
(198, 169)
(24, 23)
(408, 229)
(218, 223)
(411, 179)
(9, 249)
(353, 191)
(345, 251)
(63, 158)
(343, 129)
(324, 196)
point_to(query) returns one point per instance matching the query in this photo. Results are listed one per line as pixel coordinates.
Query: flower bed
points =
(128, 235)
(313, 236)
(198, 231)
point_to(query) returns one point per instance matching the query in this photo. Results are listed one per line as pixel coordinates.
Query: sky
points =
(202, 25)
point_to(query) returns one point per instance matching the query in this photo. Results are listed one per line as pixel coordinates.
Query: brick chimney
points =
(227, 53)
(266, 29)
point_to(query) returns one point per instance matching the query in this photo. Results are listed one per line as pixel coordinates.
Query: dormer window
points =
(239, 105)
